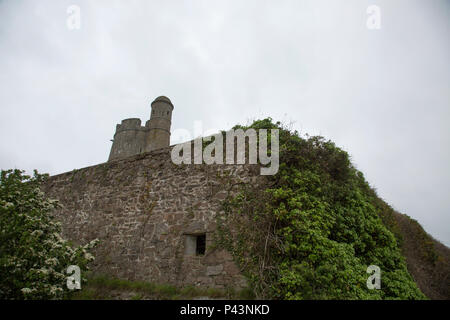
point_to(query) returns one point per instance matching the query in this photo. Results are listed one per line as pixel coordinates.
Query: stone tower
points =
(131, 138)
(159, 124)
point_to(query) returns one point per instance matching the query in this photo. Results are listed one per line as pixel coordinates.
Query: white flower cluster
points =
(52, 262)
(7, 205)
(27, 290)
(54, 290)
(38, 256)
(37, 233)
(88, 256)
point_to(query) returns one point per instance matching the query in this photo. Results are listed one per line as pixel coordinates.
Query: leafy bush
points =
(311, 230)
(33, 256)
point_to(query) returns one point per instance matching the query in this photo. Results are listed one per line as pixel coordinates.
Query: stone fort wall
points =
(147, 213)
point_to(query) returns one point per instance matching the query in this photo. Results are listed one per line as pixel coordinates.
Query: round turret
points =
(159, 124)
(129, 139)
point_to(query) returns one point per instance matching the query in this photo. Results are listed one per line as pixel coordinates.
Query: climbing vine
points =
(311, 230)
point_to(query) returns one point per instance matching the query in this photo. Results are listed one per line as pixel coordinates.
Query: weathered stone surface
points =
(141, 208)
(214, 270)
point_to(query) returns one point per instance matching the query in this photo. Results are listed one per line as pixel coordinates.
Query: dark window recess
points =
(201, 245)
(195, 244)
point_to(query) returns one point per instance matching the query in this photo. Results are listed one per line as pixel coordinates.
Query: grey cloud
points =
(381, 95)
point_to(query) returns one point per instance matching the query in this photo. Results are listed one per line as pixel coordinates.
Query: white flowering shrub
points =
(33, 256)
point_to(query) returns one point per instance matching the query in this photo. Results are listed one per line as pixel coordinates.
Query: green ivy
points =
(311, 230)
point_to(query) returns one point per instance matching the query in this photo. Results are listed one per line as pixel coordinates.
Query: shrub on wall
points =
(311, 230)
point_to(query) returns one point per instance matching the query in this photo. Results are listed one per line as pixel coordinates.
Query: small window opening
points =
(195, 245)
(201, 245)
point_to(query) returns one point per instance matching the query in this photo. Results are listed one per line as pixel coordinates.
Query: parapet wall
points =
(144, 209)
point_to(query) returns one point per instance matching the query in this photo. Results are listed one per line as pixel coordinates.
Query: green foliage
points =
(315, 230)
(33, 256)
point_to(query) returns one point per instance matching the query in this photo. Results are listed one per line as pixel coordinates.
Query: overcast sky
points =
(382, 95)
